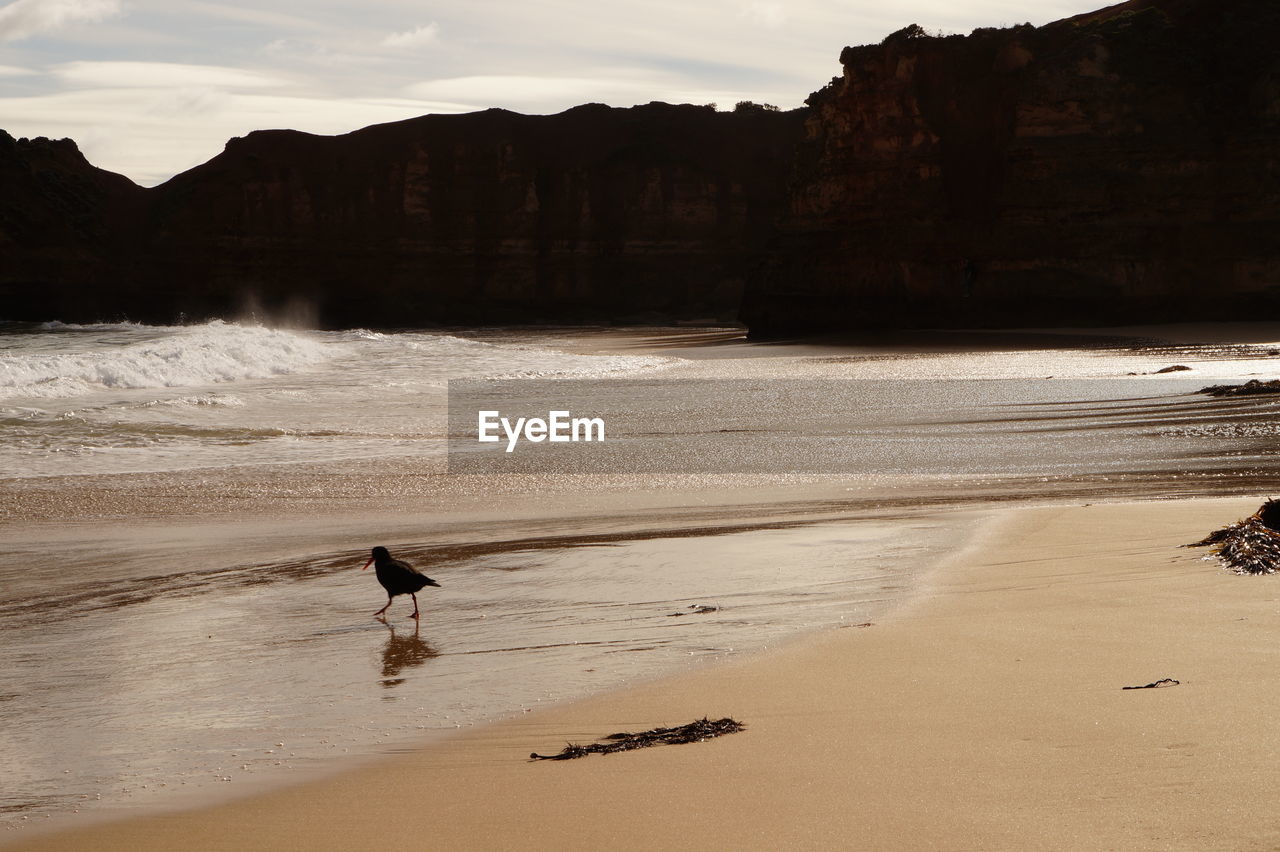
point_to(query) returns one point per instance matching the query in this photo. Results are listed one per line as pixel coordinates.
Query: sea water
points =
(116, 398)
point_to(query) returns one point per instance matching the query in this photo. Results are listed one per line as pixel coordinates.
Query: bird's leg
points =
(384, 609)
(415, 605)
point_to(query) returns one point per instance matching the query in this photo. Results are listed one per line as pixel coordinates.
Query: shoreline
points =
(987, 710)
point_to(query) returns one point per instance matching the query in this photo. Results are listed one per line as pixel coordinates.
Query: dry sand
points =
(988, 713)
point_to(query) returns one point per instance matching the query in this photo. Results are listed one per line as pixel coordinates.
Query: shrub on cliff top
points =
(908, 32)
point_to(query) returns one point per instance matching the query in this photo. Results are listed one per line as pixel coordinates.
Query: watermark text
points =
(557, 427)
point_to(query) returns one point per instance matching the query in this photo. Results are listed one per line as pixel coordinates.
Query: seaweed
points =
(694, 732)
(1249, 388)
(1250, 546)
(695, 609)
(1159, 684)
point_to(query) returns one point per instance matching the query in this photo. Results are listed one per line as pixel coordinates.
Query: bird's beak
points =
(367, 564)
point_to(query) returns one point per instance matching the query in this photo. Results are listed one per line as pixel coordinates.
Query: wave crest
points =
(186, 356)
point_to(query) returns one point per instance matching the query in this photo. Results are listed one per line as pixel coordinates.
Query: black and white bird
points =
(398, 578)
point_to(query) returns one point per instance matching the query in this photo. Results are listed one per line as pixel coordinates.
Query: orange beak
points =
(367, 564)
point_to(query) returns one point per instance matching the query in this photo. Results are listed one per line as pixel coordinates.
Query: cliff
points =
(63, 230)
(1118, 166)
(1111, 167)
(493, 217)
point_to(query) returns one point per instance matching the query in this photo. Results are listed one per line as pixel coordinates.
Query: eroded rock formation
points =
(65, 231)
(1117, 166)
(492, 217)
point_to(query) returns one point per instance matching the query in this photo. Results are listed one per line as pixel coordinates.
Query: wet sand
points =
(988, 712)
(231, 653)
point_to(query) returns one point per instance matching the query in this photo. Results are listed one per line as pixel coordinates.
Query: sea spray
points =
(189, 356)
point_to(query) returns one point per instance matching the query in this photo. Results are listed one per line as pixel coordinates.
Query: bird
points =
(398, 578)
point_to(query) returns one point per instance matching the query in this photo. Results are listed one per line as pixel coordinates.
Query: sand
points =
(988, 712)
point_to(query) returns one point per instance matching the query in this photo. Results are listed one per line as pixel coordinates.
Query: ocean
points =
(121, 398)
(185, 510)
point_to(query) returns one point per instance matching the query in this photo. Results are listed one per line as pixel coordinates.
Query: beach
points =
(640, 430)
(915, 638)
(987, 712)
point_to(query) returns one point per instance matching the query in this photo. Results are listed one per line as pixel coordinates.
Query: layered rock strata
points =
(597, 214)
(1117, 166)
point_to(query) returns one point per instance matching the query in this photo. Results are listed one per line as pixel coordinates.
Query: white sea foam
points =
(435, 357)
(190, 356)
(204, 400)
(57, 325)
(590, 367)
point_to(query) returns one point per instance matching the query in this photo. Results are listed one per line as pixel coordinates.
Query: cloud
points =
(253, 14)
(534, 93)
(162, 89)
(161, 75)
(615, 87)
(414, 38)
(189, 101)
(152, 134)
(770, 15)
(485, 87)
(24, 18)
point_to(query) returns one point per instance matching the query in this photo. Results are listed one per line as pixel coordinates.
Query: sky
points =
(149, 88)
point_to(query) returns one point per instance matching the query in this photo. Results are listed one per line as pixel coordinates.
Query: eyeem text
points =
(557, 427)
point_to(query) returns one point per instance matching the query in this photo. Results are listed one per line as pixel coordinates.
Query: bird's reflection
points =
(403, 652)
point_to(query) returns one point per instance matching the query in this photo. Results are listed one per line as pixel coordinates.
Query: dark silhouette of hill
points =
(1112, 167)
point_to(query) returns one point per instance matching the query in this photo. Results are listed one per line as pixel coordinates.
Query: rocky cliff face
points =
(63, 229)
(592, 214)
(1117, 166)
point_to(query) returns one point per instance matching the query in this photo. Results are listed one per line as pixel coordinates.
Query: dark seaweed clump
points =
(694, 732)
(1250, 546)
(1159, 684)
(1249, 388)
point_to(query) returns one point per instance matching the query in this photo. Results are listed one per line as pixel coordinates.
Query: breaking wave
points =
(186, 356)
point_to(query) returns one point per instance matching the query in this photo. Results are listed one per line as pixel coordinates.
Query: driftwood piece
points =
(694, 732)
(1250, 546)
